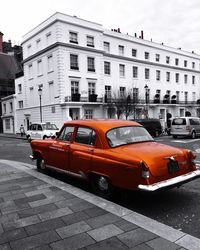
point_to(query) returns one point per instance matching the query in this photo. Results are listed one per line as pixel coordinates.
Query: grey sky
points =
(176, 23)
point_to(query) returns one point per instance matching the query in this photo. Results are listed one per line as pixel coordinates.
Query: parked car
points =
(41, 131)
(185, 126)
(114, 153)
(153, 126)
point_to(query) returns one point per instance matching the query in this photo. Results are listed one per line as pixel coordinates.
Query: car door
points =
(81, 150)
(59, 149)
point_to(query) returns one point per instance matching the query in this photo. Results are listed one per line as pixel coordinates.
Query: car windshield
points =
(127, 135)
(49, 126)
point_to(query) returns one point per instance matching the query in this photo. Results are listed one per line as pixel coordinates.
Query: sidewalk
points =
(40, 212)
(15, 136)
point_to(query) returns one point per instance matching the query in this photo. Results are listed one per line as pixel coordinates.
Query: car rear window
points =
(179, 121)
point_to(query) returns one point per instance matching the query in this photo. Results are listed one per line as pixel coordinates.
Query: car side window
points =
(66, 134)
(39, 128)
(85, 136)
(34, 127)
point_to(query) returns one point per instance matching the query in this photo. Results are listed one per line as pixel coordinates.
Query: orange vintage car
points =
(114, 153)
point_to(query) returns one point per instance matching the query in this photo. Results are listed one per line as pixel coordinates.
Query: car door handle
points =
(91, 149)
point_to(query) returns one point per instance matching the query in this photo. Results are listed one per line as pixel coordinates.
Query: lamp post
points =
(146, 98)
(40, 96)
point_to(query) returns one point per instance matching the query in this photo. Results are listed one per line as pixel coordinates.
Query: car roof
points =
(103, 124)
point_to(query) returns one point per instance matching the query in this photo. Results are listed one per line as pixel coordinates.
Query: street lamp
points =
(40, 96)
(146, 97)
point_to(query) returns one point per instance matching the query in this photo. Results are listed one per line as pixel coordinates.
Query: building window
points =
(134, 52)
(185, 79)
(74, 87)
(158, 75)
(146, 55)
(39, 67)
(167, 59)
(90, 41)
(147, 74)
(185, 63)
(19, 88)
(48, 38)
(167, 76)
(50, 63)
(135, 72)
(106, 47)
(193, 79)
(107, 68)
(176, 61)
(194, 96)
(51, 92)
(20, 104)
(4, 108)
(122, 92)
(135, 95)
(91, 88)
(11, 107)
(91, 64)
(29, 49)
(121, 50)
(108, 91)
(74, 62)
(177, 96)
(177, 77)
(30, 71)
(186, 96)
(193, 65)
(121, 70)
(73, 37)
(157, 57)
(7, 124)
(38, 43)
(88, 114)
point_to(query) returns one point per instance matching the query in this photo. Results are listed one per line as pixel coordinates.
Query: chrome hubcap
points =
(103, 183)
(42, 164)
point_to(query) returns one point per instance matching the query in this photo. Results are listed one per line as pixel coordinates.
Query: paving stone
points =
(81, 206)
(46, 247)
(136, 237)
(35, 241)
(29, 199)
(14, 208)
(74, 242)
(75, 217)
(76, 228)
(38, 191)
(55, 214)
(108, 244)
(5, 247)
(102, 220)
(21, 223)
(105, 232)
(68, 203)
(14, 196)
(12, 235)
(46, 201)
(44, 226)
(1, 200)
(9, 217)
(94, 211)
(162, 244)
(125, 225)
(141, 247)
(36, 210)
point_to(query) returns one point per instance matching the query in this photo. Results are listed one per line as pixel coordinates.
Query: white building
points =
(66, 55)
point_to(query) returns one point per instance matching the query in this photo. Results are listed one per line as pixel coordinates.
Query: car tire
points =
(174, 136)
(193, 135)
(41, 167)
(44, 137)
(29, 138)
(102, 186)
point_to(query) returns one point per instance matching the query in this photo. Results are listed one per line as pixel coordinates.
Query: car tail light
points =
(189, 128)
(145, 170)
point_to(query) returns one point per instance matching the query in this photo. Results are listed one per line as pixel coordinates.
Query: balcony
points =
(78, 98)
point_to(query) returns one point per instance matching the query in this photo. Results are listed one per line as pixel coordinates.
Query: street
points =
(178, 208)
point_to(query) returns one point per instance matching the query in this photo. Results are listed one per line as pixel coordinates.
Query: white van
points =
(41, 131)
(185, 126)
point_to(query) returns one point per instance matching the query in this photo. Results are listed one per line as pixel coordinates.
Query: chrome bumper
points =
(176, 181)
(31, 157)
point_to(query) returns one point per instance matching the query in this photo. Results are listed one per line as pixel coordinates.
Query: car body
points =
(185, 126)
(41, 131)
(153, 126)
(114, 153)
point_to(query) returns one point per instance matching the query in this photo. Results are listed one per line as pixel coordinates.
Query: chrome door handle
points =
(91, 149)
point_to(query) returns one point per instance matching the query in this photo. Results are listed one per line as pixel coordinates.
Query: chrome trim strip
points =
(171, 182)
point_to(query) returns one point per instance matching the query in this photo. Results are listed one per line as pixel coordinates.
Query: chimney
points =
(1, 41)
(142, 34)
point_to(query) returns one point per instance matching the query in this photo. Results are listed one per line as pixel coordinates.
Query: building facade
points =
(82, 69)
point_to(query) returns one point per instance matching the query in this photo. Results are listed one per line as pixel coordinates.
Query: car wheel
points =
(44, 137)
(40, 164)
(102, 186)
(174, 136)
(29, 138)
(193, 135)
